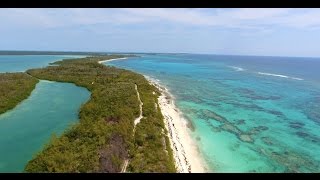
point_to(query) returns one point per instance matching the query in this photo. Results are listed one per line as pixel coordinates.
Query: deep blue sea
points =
(249, 113)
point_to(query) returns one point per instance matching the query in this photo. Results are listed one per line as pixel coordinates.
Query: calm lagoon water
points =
(249, 113)
(51, 108)
(21, 63)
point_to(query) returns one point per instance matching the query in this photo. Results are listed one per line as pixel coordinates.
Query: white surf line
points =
(237, 68)
(280, 75)
(136, 121)
(110, 60)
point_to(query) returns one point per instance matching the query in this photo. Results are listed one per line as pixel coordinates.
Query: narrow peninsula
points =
(107, 137)
(14, 88)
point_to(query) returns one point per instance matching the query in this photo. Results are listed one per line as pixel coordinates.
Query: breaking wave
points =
(237, 68)
(280, 75)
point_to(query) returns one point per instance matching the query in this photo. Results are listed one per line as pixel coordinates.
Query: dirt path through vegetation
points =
(136, 121)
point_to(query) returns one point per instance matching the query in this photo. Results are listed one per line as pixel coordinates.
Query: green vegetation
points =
(103, 138)
(152, 151)
(14, 87)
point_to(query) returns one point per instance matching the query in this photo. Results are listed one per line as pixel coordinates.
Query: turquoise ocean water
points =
(20, 63)
(249, 113)
(51, 108)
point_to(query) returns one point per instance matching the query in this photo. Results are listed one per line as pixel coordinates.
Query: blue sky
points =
(277, 32)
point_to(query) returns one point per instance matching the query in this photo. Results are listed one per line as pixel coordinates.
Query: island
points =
(129, 124)
(107, 138)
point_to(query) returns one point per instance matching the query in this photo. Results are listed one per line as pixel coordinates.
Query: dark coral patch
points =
(267, 140)
(240, 122)
(296, 125)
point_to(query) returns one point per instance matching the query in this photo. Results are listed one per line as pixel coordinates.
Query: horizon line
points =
(137, 52)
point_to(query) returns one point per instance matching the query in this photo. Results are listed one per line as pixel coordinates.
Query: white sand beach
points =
(110, 60)
(186, 155)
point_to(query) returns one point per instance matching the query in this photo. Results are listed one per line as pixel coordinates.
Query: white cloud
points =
(187, 16)
(305, 19)
(254, 14)
(26, 17)
(243, 18)
(224, 18)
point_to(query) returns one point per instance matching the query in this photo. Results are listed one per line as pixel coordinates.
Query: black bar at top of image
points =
(159, 3)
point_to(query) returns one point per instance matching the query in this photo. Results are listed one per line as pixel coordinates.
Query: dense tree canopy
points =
(14, 87)
(104, 138)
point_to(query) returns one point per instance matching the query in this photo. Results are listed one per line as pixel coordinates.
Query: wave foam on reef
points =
(237, 68)
(280, 75)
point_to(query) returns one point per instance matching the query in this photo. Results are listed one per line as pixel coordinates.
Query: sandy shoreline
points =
(110, 60)
(186, 155)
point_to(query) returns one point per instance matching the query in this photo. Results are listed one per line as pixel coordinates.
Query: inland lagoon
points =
(51, 108)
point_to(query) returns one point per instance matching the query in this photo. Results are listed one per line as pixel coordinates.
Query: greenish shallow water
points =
(51, 108)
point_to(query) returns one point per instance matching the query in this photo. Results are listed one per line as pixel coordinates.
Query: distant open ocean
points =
(249, 113)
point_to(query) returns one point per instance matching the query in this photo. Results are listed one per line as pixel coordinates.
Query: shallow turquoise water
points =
(250, 113)
(51, 108)
(20, 63)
